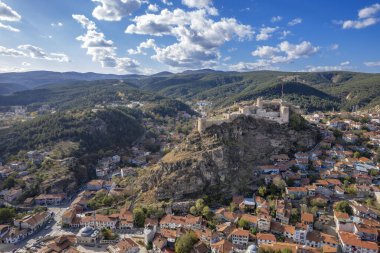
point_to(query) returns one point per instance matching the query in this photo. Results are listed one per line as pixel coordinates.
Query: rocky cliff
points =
(222, 160)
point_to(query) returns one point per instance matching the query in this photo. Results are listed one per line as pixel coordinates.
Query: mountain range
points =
(311, 90)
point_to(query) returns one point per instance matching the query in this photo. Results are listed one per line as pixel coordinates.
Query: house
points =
(189, 221)
(15, 235)
(125, 219)
(251, 219)
(352, 243)
(12, 194)
(239, 236)
(68, 217)
(300, 233)
(159, 243)
(289, 231)
(343, 222)
(95, 185)
(59, 244)
(297, 192)
(50, 199)
(126, 245)
(266, 238)
(307, 219)
(283, 211)
(263, 222)
(34, 221)
(223, 246)
(366, 233)
(98, 221)
(317, 239)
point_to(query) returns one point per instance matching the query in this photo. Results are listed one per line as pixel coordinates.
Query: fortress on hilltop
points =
(275, 110)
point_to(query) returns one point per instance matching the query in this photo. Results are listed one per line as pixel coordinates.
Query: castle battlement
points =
(274, 110)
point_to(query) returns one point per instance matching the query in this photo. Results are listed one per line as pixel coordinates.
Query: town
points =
(326, 199)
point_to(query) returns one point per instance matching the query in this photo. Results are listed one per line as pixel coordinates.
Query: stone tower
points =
(259, 102)
(201, 124)
(284, 113)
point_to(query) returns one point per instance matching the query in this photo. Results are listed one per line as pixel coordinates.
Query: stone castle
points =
(275, 110)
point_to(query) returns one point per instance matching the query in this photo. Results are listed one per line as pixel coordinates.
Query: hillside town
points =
(326, 199)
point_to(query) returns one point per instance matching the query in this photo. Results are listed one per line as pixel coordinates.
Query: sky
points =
(147, 36)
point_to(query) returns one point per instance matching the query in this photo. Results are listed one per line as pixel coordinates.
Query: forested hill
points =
(93, 131)
(312, 91)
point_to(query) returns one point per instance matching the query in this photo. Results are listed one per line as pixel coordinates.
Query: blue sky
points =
(146, 36)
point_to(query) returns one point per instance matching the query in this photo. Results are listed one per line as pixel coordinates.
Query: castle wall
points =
(256, 111)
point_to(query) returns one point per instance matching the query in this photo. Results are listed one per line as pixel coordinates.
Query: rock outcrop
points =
(223, 159)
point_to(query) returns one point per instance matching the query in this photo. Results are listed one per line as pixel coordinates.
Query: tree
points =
(206, 212)
(262, 191)
(138, 217)
(344, 207)
(253, 230)
(279, 183)
(357, 154)
(185, 243)
(7, 214)
(243, 224)
(233, 207)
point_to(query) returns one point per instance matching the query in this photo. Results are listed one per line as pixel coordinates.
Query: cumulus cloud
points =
(366, 17)
(7, 14)
(8, 28)
(295, 21)
(197, 3)
(284, 52)
(198, 36)
(345, 63)
(167, 2)
(153, 7)
(276, 19)
(149, 43)
(114, 10)
(201, 4)
(265, 33)
(102, 50)
(372, 63)
(250, 66)
(334, 46)
(33, 52)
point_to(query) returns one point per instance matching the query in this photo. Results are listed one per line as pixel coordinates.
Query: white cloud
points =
(276, 19)
(366, 17)
(285, 34)
(334, 46)
(250, 66)
(115, 10)
(197, 3)
(369, 11)
(345, 63)
(58, 24)
(283, 53)
(33, 52)
(8, 28)
(198, 36)
(8, 14)
(25, 63)
(11, 69)
(149, 43)
(295, 21)
(167, 2)
(153, 7)
(372, 63)
(102, 50)
(265, 51)
(328, 68)
(265, 33)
